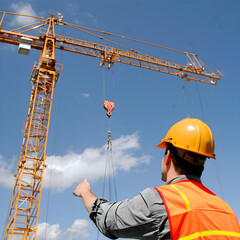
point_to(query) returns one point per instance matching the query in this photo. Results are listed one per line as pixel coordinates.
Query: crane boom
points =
(194, 70)
(25, 204)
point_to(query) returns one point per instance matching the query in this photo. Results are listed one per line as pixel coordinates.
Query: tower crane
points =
(25, 204)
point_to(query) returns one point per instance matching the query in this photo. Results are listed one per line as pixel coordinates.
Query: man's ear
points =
(168, 158)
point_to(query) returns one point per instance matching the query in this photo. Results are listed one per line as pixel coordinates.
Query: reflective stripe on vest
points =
(194, 212)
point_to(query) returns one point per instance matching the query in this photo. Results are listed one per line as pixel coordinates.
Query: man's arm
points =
(83, 190)
(139, 218)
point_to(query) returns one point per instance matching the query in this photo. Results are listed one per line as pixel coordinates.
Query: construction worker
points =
(180, 209)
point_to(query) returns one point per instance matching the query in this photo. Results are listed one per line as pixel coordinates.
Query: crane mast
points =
(25, 204)
(24, 211)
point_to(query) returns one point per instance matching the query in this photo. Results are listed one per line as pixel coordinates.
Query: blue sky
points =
(147, 103)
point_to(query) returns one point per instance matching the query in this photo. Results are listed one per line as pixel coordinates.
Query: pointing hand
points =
(82, 188)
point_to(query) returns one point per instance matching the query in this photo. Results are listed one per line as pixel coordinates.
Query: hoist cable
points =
(215, 162)
(6, 222)
(109, 168)
(50, 175)
(105, 177)
(107, 160)
(109, 171)
(111, 164)
(113, 82)
(219, 180)
(109, 174)
(113, 178)
(53, 147)
(104, 84)
(185, 100)
(200, 101)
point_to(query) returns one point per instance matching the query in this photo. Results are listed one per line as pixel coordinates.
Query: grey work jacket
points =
(142, 217)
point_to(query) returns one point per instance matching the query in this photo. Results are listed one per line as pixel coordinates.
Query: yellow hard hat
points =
(190, 134)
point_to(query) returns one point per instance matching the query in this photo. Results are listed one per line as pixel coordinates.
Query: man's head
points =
(188, 143)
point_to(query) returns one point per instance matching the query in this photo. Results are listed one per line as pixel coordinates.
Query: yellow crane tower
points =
(24, 209)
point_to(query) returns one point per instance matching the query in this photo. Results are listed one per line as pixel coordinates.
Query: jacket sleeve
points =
(143, 217)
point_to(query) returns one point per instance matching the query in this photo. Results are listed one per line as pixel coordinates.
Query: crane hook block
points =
(109, 106)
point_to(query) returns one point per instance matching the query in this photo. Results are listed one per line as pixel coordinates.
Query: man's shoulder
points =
(150, 194)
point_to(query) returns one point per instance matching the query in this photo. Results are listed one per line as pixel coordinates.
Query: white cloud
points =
(90, 17)
(73, 10)
(85, 95)
(79, 228)
(6, 177)
(22, 8)
(71, 168)
(8, 47)
(76, 13)
(51, 231)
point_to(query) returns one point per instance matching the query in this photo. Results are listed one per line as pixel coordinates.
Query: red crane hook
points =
(109, 106)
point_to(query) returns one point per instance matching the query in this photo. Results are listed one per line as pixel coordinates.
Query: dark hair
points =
(184, 166)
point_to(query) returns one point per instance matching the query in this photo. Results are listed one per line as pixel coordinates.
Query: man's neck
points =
(184, 177)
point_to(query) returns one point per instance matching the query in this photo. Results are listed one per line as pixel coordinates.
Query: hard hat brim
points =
(163, 144)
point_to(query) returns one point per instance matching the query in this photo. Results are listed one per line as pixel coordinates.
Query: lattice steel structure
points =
(25, 205)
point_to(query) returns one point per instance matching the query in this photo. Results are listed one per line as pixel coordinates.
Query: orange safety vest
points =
(194, 212)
